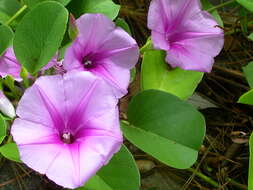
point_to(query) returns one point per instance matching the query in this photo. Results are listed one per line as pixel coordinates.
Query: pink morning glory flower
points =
(103, 49)
(68, 127)
(9, 65)
(191, 37)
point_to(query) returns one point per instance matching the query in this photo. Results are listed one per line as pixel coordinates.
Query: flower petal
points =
(201, 22)
(43, 102)
(158, 15)
(188, 57)
(70, 165)
(160, 41)
(74, 164)
(111, 51)
(27, 132)
(86, 96)
(167, 15)
(104, 124)
(9, 65)
(84, 106)
(120, 48)
(97, 151)
(186, 32)
(39, 157)
(116, 76)
(72, 57)
(93, 29)
(186, 52)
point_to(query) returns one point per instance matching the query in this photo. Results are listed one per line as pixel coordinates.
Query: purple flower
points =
(9, 65)
(68, 127)
(189, 35)
(103, 49)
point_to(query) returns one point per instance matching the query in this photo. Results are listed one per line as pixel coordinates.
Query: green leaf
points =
(39, 35)
(121, 167)
(248, 4)
(3, 128)
(123, 24)
(207, 5)
(106, 7)
(132, 74)
(10, 7)
(155, 74)
(251, 36)
(243, 13)
(10, 151)
(3, 17)
(248, 71)
(95, 183)
(250, 179)
(247, 98)
(113, 176)
(147, 46)
(10, 83)
(165, 127)
(6, 38)
(32, 3)
(72, 29)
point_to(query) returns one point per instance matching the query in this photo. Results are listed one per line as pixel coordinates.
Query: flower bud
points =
(6, 106)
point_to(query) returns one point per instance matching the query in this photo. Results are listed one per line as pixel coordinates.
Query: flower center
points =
(88, 64)
(67, 138)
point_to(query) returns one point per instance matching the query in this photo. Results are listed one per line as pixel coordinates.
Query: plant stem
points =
(147, 46)
(1, 160)
(214, 183)
(236, 184)
(19, 12)
(204, 177)
(9, 140)
(221, 5)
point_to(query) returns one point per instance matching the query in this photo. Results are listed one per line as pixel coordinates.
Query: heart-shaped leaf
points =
(248, 4)
(10, 151)
(32, 3)
(123, 24)
(3, 128)
(106, 7)
(10, 7)
(248, 71)
(6, 38)
(165, 127)
(155, 74)
(246, 98)
(39, 35)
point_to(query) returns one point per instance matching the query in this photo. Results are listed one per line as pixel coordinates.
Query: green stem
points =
(146, 47)
(1, 160)
(9, 140)
(204, 177)
(221, 5)
(214, 183)
(235, 183)
(19, 12)
(24, 75)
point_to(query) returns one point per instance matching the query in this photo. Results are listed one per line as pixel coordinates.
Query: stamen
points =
(67, 138)
(87, 64)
